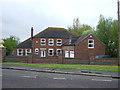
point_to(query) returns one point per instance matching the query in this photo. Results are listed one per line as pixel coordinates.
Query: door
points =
(43, 53)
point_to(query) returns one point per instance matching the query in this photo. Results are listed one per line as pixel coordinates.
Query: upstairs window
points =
(90, 43)
(59, 42)
(51, 42)
(36, 50)
(19, 52)
(27, 52)
(50, 52)
(43, 41)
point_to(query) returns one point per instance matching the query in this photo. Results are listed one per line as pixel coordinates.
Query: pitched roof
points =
(25, 44)
(75, 40)
(50, 32)
(53, 32)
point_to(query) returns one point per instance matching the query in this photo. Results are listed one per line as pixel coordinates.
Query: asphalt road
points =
(30, 79)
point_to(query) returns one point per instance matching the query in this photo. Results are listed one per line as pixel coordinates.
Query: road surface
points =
(30, 79)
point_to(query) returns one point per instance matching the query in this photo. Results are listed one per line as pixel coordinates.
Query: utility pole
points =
(118, 3)
(32, 45)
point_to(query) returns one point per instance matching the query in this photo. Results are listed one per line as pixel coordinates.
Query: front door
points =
(43, 53)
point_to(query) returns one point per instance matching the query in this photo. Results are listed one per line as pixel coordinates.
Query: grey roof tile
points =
(52, 32)
(75, 40)
(25, 44)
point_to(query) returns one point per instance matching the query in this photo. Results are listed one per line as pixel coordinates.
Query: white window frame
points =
(91, 43)
(42, 53)
(50, 41)
(57, 54)
(72, 54)
(36, 50)
(41, 41)
(18, 52)
(27, 52)
(50, 52)
(66, 54)
(57, 43)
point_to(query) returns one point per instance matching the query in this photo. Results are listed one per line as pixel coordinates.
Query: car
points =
(102, 56)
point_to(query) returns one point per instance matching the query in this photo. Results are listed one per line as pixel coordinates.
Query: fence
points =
(27, 59)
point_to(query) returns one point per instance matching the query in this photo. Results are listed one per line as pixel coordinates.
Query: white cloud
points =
(20, 15)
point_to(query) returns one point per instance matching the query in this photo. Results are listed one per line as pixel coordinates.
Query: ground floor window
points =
(58, 52)
(69, 54)
(66, 54)
(27, 52)
(36, 50)
(51, 52)
(19, 52)
(42, 53)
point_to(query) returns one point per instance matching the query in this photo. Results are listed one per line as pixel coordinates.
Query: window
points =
(51, 42)
(51, 52)
(43, 53)
(58, 52)
(59, 42)
(43, 41)
(19, 52)
(90, 43)
(66, 54)
(71, 54)
(36, 50)
(27, 52)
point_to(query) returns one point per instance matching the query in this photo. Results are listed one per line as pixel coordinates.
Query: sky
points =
(18, 16)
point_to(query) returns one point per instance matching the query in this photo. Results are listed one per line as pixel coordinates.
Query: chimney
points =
(31, 33)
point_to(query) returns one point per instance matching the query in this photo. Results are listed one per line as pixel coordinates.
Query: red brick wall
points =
(64, 61)
(55, 47)
(2, 53)
(82, 50)
(68, 48)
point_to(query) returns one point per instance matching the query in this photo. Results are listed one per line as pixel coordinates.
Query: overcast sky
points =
(17, 16)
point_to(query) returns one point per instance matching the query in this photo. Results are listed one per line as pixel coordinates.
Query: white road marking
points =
(101, 80)
(29, 76)
(59, 78)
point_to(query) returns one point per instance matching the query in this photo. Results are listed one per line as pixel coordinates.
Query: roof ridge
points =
(55, 28)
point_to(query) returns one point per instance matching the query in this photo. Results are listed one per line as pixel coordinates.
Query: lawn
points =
(70, 66)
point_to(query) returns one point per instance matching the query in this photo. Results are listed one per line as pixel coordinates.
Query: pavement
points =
(63, 71)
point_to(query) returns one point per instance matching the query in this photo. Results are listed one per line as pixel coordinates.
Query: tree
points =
(89, 32)
(106, 31)
(78, 28)
(9, 43)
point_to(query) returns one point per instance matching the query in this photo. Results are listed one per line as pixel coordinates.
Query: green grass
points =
(70, 66)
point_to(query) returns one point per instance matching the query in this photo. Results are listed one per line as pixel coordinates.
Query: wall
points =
(82, 50)
(37, 45)
(2, 53)
(61, 60)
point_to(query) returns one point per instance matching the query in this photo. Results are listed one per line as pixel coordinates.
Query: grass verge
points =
(70, 66)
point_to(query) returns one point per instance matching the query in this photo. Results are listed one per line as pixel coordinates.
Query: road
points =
(30, 79)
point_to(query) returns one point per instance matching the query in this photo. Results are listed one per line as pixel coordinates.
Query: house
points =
(53, 42)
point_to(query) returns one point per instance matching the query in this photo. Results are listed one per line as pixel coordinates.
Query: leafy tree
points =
(10, 42)
(89, 31)
(106, 31)
(78, 28)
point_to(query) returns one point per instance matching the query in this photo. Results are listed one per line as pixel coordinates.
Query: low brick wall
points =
(25, 59)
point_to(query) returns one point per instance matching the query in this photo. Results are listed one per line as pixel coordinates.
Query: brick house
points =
(53, 42)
